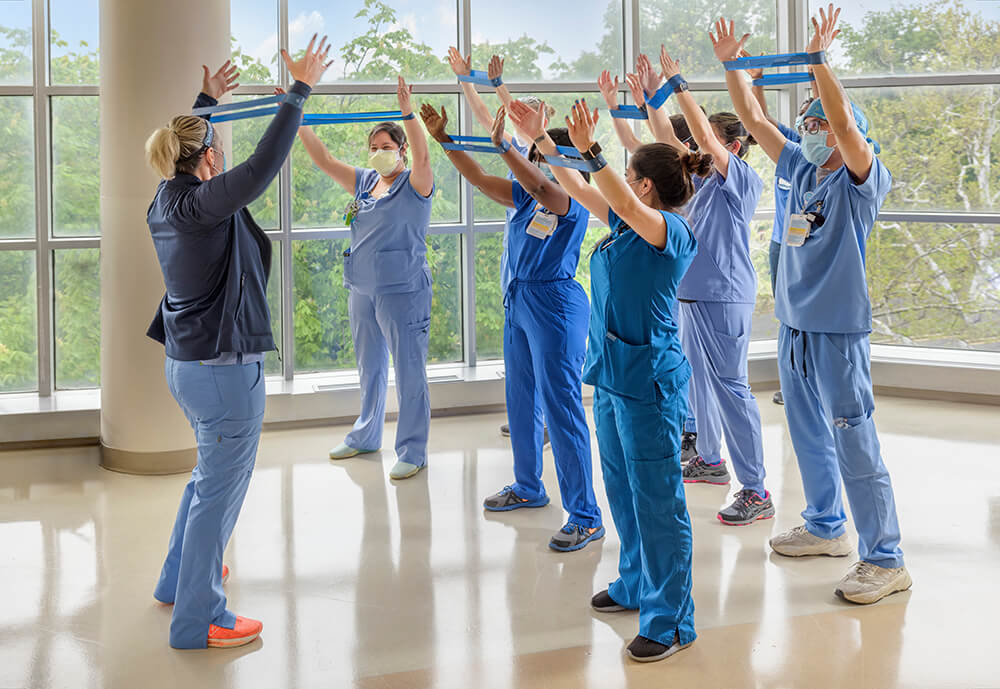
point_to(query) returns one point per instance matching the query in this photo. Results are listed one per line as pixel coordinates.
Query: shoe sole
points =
(596, 536)
(766, 514)
(809, 554)
(610, 608)
(908, 581)
(233, 643)
(410, 474)
(356, 453)
(652, 659)
(508, 508)
(713, 482)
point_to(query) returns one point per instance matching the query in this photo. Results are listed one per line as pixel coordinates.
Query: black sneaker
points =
(688, 449)
(699, 471)
(505, 432)
(646, 650)
(573, 537)
(778, 398)
(747, 508)
(507, 500)
(603, 602)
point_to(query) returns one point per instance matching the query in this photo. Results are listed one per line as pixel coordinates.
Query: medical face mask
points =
(384, 161)
(547, 171)
(814, 148)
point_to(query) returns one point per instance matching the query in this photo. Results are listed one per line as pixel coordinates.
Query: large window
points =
(933, 98)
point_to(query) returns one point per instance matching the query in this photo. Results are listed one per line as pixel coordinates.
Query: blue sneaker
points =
(507, 500)
(573, 537)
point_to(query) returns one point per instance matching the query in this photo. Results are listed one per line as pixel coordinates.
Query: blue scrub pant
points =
(397, 323)
(826, 381)
(225, 406)
(716, 337)
(640, 458)
(773, 256)
(545, 343)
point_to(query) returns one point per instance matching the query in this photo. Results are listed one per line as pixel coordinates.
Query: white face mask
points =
(384, 161)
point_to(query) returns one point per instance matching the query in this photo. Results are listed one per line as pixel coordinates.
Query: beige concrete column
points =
(151, 57)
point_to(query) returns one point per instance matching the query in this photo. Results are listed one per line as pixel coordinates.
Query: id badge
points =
(798, 230)
(542, 225)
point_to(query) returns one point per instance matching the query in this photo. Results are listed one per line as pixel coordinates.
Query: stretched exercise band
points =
(569, 157)
(474, 143)
(789, 78)
(251, 108)
(663, 93)
(628, 112)
(786, 60)
(480, 77)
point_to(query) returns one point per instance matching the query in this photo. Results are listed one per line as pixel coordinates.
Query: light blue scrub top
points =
(388, 251)
(781, 188)
(508, 214)
(553, 258)
(821, 285)
(720, 215)
(633, 343)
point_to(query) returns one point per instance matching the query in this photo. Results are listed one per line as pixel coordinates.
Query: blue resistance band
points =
(789, 78)
(353, 117)
(629, 112)
(663, 93)
(785, 60)
(476, 76)
(241, 105)
(570, 158)
(474, 143)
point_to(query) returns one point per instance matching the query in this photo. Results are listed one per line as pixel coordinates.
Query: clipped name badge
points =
(798, 230)
(542, 225)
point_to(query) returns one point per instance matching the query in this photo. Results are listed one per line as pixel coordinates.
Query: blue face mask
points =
(814, 148)
(547, 171)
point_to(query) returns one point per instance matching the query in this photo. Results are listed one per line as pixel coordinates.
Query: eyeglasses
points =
(813, 126)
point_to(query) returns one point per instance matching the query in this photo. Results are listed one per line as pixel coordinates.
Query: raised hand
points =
(435, 123)
(825, 30)
(581, 126)
(461, 66)
(724, 41)
(670, 66)
(222, 82)
(403, 94)
(528, 119)
(495, 69)
(635, 86)
(609, 88)
(310, 67)
(754, 72)
(648, 76)
(496, 135)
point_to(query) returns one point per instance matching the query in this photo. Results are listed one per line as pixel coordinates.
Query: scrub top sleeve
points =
(742, 187)
(876, 186)
(417, 193)
(680, 240)
(362, 179)
(788, 132)
(518, 194)
(790, 160)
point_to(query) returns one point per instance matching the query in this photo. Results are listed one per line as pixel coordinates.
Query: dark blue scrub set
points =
(545, 336)
(717, 299)
(824, 356)
(640, 374)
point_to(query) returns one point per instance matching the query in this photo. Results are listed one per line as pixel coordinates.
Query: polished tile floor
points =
(363, 583)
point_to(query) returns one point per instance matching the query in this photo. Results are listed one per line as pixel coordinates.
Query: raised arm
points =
(529, 175)
(635, 87)
(226, 193)
(532, 123)
(496, 188)
(339, 171)
(659, 121)
(697, 120)
(851, 142)
(647, 222)
(727, 47)
(609, 91)
(421, 175)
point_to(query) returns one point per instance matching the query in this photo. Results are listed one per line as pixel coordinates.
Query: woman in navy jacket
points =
(215, 326)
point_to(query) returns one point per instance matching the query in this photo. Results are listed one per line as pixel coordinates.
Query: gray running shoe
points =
(507, 500)
(688, 449)
(699, 471)
(505, 432)
(778, 398)
(747, 508)
(574, 537)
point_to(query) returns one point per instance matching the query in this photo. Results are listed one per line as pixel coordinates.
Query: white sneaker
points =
(344, 451)
(867, 583)
(798, 542)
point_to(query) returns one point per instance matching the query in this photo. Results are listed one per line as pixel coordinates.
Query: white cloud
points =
(300, 30)
(408, 22)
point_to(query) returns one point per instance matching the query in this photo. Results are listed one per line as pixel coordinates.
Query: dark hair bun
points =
(699, 164)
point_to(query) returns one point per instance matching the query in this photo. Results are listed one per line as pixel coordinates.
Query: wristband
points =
(629, 112)
(677, 83)
(660, 97)
(539, 139)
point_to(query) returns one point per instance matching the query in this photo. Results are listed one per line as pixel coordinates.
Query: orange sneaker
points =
(243, 632)
(225, 578)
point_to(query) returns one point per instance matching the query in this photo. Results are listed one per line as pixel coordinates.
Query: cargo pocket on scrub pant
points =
(420, 339)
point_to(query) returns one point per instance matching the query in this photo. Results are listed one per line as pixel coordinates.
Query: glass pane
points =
(254, 37)
(76, 166)
(911, 37)
(17, 168)
(18, 322)
(374, 40)
(444, 258)
(77, 281)
(489, 299)
(246, 136)
(542, 40)
(74, 26)
(15, 42)
(318, 201)
(941, 145)
(322, 328)
(765, 325)
(935, 284)
(683, 25)
(272, 362)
